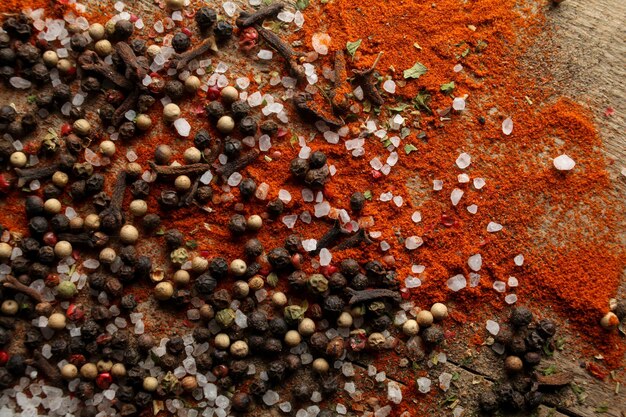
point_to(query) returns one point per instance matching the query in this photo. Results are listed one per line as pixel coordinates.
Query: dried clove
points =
(13, 283)
(371, 294)
(84, 239)
(51, 372)
(90, 61)
(327, 239)
(128, 103)
(365, 78)
(180, 61)
(341, 87)
(230, 167)
(190, 169)
(284, 49)
(259, 16)
(354, 240)
(134, 68)
(187, 199)
(36, 173)
(307, 107)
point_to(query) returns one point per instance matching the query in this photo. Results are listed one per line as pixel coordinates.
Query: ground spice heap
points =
(227, 213)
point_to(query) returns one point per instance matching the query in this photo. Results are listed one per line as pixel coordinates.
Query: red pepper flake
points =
(77, 359)
(4, 357)
(610, 111)
(66, 129)
(75, 312)
(597, 371)
(213, 93)
(376, 174)
(5, 184)
(50, 238)
(447, 220)
(187, 323)
(186, 31)
(133, 18)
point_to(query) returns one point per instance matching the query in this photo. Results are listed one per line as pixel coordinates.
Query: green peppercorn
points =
(66, 289)
(318, 283)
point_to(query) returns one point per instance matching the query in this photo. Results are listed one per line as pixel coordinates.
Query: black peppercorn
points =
(202, 139)
(329, 385)
(317, 159)
(33, 205)
(175, 345)
(51, 191)
(299, 167)
(140, 189)
(532, 358)
(181, 42)
(128, 302)
(269, 127)
(241, 401)
(5, 40)
(40, 74)
(46, 255)
(7, 56)
(139, 46)
(127, 130)
(488, 401)
(258, 387)
(272, 346)
(278, 326)
(85, 391)
(333, 304)
(301, 391)
(223, 30)
(279, 258)
(546, 328)
(28, 53)
(232, 148)
(215, 110)
(220, 299)
(144, 102)
(173, 238)
(257, 321)
(94, 184)
(174, 89)
(204, 194)
(276, 370)
(38, 225)
(32, 338)
(240, 109)
(517, 345)
(6, 379)
(218, 267)
(318, 342)
(521, 317)
(16, 365)
(248, 126)
(29, 123)
(123, 30)
(247, 187)
(253, 248)
(316, 178)
(337, 281)
(106, 112)
(293, 243)
(61, 93)
(205, 284)
(275, 207)
(357, 201)
(151, 221)
(78, 42)
(205, 18)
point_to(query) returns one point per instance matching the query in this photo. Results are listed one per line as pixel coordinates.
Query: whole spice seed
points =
(90, 61)
(260, 15)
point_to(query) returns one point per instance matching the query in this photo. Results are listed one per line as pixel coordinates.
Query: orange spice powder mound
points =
(561, 223)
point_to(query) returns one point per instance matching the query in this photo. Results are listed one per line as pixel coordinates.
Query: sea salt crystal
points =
(412, 282)
(309, 244)
(284, 196)
(564, 163)
(305, 217)
(325, 257)
(458, 103)
(290, 220)
(255, 99)
(423, 385)
(376, 164)
(206, 177)
(262, 191)
(398, 201)
(472, 208)
(457, 68)
(242, 82)
(389, 86)
(392, 159)
(519, 260)
(492, 327)
(307, 195)
(234, 179)
(463, 161)
(286, 16)
(499, 286)
(265, 143)
(507, 126)
(475, 262)
(91, 264)
(298, 18)
(512, 282)
(19, 82)
(182, 127)
(322, 209)
(444, 381)
(498, 348)
(510, 299)
(457, 282)
(358, 93)
(384, 197)
(265, 54)
(437, 185)
(305, 152)
(320, 42)
(230, 8)
(285, 407)
(479, 183)
(331, 137)
(455, 196)
(463, 178)
(270, 397)
(413, 242)
(416, 217)
(347, 369)
(394, 393)
(493, 227)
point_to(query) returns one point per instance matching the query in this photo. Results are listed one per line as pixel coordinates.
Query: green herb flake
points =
(31, 99)
(302, 4)
(602, 409)
(368, 195)
(408, 148)
(415, 71)
(160, 232)
(549, 370)
(351, 47)
(405, 132)
(399, 108)
(192, 244)
(455, 376)
(387, 143)
(421, 101)
(293, 140)
(447, 88)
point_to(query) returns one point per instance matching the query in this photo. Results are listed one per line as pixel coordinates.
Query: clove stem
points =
(231, 167)
(259, 16)
(284, 50)
(90, 61)
(327, 239)
(353, 240)
(13, 283)
(36, 173)
(180, 169)
(183, 59)
(372, 294)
